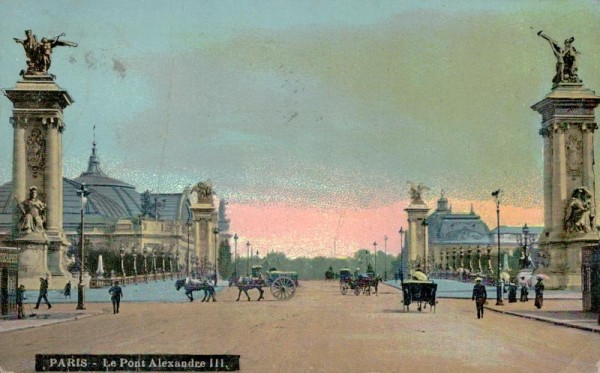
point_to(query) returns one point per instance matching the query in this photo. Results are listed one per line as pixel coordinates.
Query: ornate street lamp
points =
(216, 233)
(499, 302)
(122, 252)
(247, 258)
(188, 258)
(235, 257)
(82, 193)
(145, 251)
(525, 240)
(402, 254)
(134, 253)
(385, 238)
(375, 260)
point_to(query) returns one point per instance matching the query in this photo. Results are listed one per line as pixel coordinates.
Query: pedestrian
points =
(43, 293)
(524, 290)
(67, 291)
(479, 296)
(20, 299)
(512, 292)
(115, 296)
(539, 293)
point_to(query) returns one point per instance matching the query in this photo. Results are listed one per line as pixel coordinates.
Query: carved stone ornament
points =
(36, 151)
(39, 53)
(579, 216)
(566, 60)
(574, 154)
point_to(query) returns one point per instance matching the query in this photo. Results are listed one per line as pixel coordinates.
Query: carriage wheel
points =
(344, 288)
(357, 291)
(283, 288)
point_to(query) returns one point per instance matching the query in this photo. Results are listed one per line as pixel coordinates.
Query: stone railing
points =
(96, 283)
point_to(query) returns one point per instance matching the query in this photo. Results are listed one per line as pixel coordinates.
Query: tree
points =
(225, 259)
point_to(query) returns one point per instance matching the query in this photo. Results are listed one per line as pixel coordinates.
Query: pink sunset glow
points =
(311, 231)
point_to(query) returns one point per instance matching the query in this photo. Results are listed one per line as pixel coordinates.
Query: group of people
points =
(116, 293)
(480, 294)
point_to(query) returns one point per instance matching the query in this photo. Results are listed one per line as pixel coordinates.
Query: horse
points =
(192, 285)
(246, 283)
(366, 282)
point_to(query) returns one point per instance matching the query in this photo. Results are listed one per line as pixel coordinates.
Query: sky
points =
(309, 117)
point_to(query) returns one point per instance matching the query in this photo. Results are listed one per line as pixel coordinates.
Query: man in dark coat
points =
(524, 291)
(479, 296)
(43, 293)
(20, 299)
(115, 296)
(539, 293)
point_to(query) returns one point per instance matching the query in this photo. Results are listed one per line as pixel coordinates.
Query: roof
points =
(516, 230)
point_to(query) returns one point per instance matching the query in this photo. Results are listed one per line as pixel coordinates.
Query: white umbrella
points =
(542, 276)
(420, 276)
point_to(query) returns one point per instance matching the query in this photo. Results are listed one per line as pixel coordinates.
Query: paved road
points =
(319, 330)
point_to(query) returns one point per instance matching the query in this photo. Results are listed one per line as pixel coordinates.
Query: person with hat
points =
(19, 301)
(115, 296)
(43, 293)
(479, 296)
(524, 290)
(539, 293)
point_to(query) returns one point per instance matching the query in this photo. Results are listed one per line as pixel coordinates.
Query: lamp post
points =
(122, 252)
(499, 301)
(188, 258)
(82, 193)
(425, 243)
(171, 263)
(375, 260)
(154, 263)
(247, 258)
(385, 238)
(402, 254)
(177, 262)
(134, 253)
(525, 240)
(216, 233)
(145, 251)
(235, 238)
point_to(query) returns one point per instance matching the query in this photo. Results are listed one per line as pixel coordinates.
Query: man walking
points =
(479, 296)
(20, 299)
(116, 293)
(43, 293)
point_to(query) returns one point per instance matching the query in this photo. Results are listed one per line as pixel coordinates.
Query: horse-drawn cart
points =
(282, 284)
(420, 292)
(361, 284)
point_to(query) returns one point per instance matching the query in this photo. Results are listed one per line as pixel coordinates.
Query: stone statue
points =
(579, 216)
(566, 60)
(32, 213)
(416, 192)
(39, 55)
(203, 191)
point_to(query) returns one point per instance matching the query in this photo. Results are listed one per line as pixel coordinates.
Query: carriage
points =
(420, 292)
(361, 284)
(282, 284)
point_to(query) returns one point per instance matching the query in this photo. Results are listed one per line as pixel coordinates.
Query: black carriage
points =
(420, 292)
(361, 284)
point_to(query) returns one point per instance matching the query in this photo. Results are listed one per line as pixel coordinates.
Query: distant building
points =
(116, 215)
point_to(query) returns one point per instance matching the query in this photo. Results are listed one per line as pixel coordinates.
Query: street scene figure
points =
(479, 296)
(524, 291)
(566, 60)
(539, 293)
(115, 296)
(512, 292)
(43, 293)
(39, 55)
(20, 298)
(32, 213)
(67, 291)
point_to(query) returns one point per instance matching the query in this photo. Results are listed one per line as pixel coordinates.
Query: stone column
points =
(417, 243)
(568, 125)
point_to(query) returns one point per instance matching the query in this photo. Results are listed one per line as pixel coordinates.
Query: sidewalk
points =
(44, 316)
(561, 307)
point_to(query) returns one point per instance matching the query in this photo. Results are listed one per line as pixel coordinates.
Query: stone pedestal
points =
(568, 125)
(203, 215)
(417, 240)
(37, 120)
